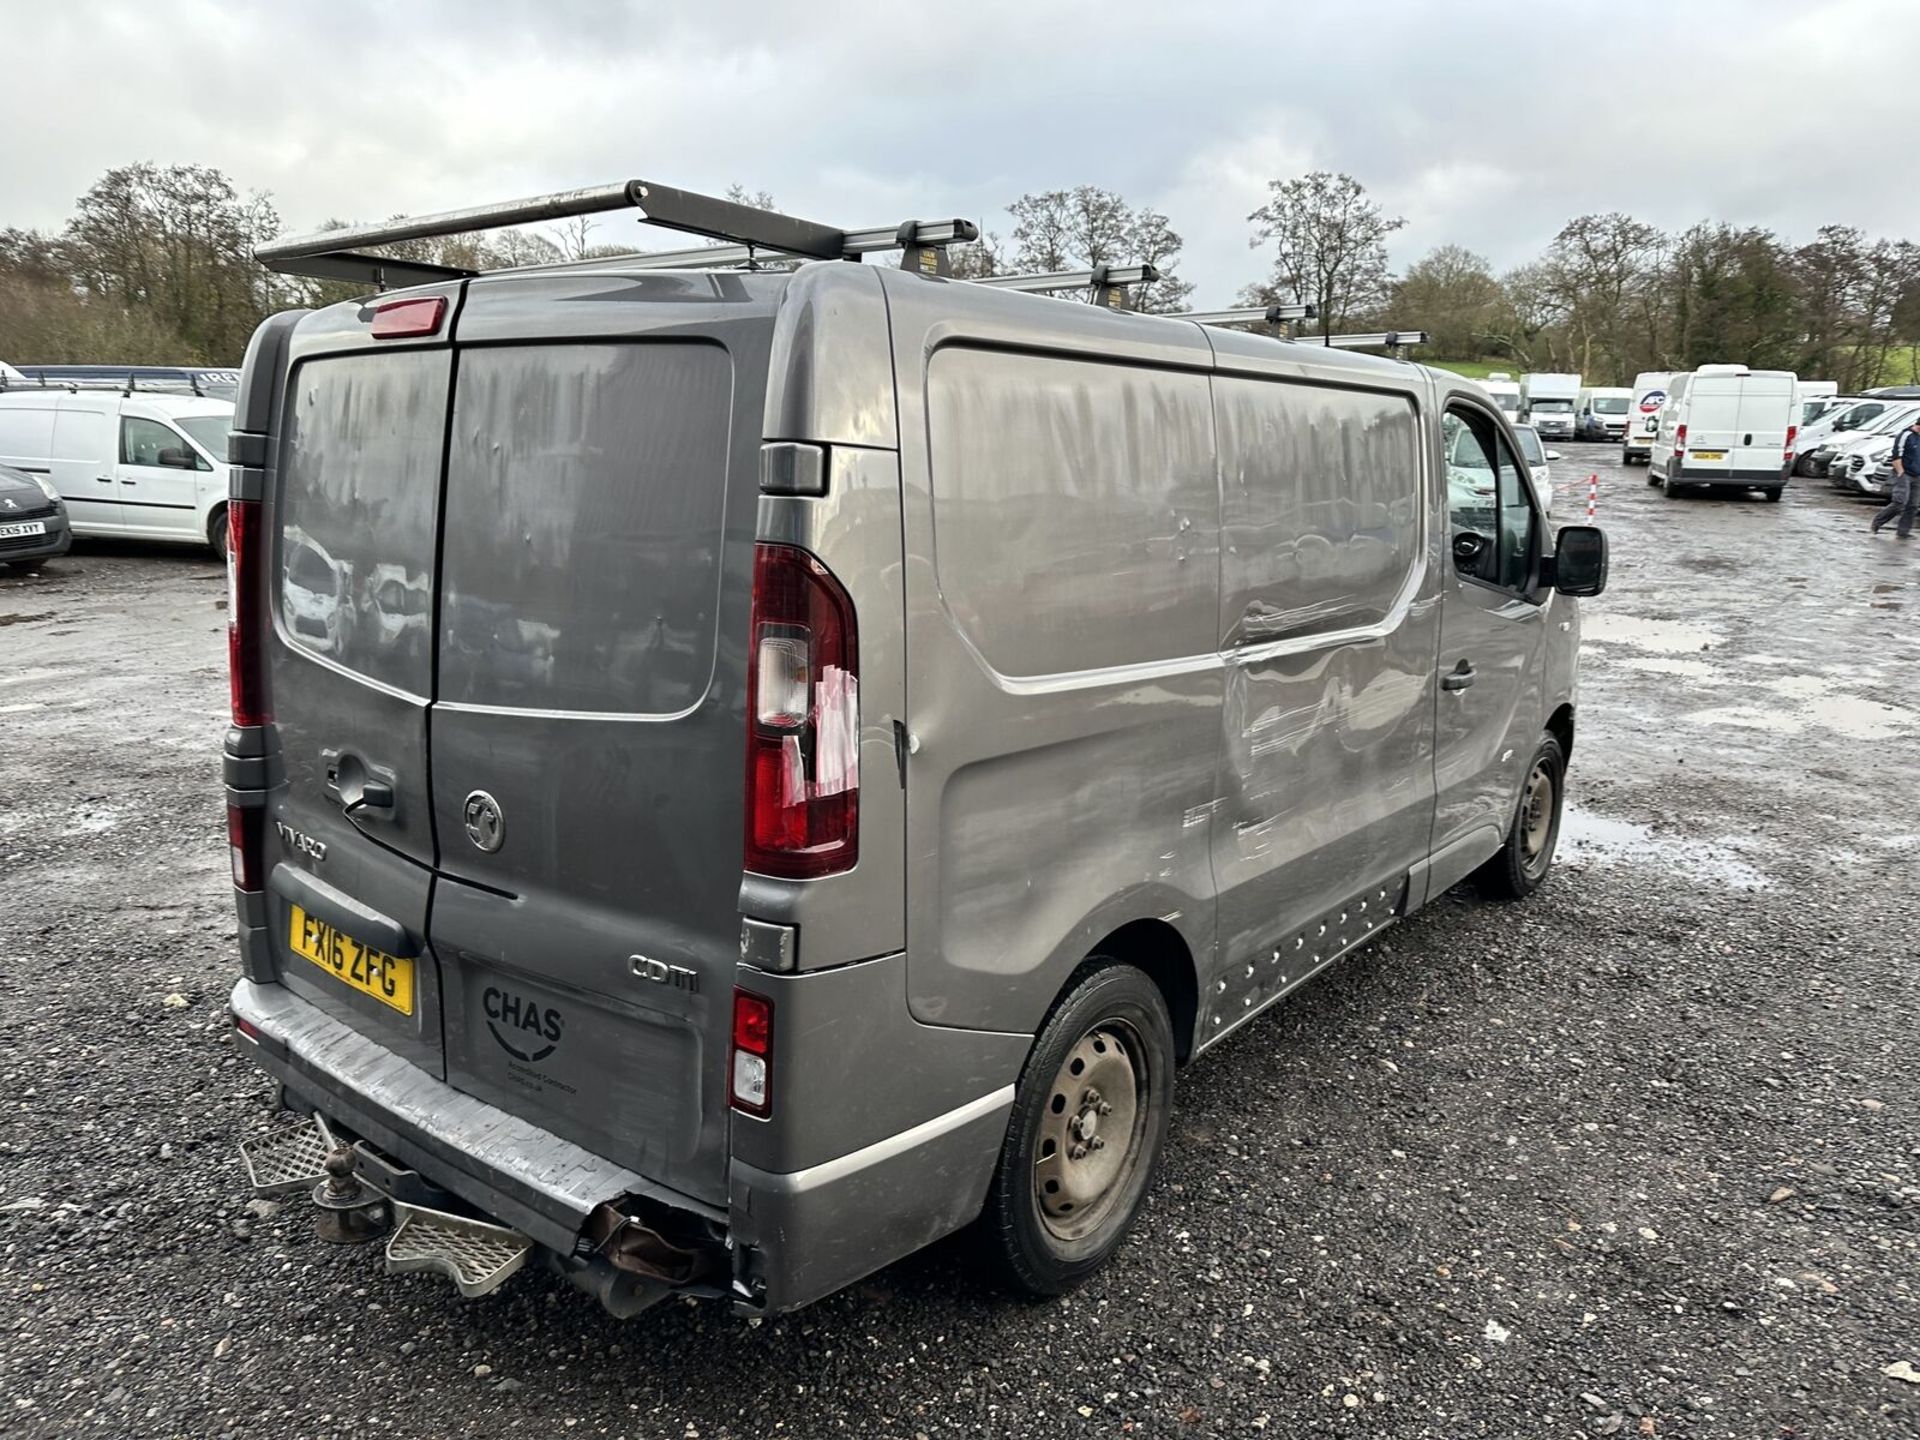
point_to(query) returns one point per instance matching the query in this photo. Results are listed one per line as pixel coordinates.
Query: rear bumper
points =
(525, 1176)
(793, 1235)
(1731, 479)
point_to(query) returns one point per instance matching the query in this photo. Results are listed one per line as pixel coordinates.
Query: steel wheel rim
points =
(1536, 816)
(1091, 1128)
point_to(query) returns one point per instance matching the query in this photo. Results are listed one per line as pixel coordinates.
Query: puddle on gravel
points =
(1667, 636)
(1602, 840)
(1814, 702)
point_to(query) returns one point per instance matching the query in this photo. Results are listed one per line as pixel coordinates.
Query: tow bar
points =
(479, 1257)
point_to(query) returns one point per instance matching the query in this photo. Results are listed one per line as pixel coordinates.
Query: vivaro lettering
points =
(300, 844)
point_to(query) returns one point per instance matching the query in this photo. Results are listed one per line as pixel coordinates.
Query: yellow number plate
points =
(1709, 454)
(387, 978)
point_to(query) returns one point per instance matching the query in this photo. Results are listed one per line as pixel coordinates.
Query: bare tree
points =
(1330, 245)
(1085, 227)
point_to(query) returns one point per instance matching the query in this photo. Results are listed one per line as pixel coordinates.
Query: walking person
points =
(1905, 498)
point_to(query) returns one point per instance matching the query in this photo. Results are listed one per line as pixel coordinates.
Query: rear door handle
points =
(1460, 679)
(357, 787)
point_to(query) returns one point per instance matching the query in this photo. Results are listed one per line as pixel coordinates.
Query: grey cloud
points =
(1486, 125)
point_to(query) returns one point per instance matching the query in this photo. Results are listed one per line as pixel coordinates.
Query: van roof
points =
(163, 403)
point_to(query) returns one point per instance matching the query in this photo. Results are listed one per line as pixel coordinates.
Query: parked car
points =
(1726, 427)
(1853, 457)
(141, 465)
(1603, 412)
(800, 890)
(1538, 459)
(1833, 460)
(33, 522)
(1843, 413)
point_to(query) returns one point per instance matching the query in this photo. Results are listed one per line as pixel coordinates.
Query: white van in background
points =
(1505, 391)
(142, 465)
(1547, 400)
(1602, 413)
(1649, 391)
(1727, 427)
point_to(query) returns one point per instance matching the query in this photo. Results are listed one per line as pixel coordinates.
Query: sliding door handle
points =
(1461, 677)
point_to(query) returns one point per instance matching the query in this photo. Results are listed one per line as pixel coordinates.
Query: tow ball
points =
(351, 1213)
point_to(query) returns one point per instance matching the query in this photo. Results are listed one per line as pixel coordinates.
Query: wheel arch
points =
(1560, 726)
(1161, 951)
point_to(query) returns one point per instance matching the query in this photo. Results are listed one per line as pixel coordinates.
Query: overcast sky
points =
(1486, 125)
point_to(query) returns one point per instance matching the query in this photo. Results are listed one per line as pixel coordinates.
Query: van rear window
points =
(586, 489)
(360, 478)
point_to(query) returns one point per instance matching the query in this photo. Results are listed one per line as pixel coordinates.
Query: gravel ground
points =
(1637, 1157)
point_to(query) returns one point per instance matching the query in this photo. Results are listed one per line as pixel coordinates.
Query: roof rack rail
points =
(336, 254)
(1109, 283)
(1253, 314)
(1378, 340)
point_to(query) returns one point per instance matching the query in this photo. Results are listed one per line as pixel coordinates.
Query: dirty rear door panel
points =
(351, 663)
(587, 750)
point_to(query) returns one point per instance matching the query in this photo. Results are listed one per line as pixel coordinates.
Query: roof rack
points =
(105, 378)
(1109, 283)
(337, 254)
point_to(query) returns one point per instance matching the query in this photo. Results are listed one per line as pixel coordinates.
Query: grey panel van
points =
(737, 775)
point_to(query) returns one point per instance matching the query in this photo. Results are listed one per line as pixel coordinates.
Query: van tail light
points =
(750, 1061)
(246, 652)
(803, 719)
(1793, 432)
(1680, 440)
(246, 841)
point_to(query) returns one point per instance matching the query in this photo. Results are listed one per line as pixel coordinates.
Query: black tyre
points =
(219, 537)
(24, 567)
(1086, 1132)
(1526, 857)
(1772, 493)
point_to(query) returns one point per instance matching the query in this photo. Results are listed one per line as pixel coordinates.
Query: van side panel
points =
(1328, 622)
(1062, 541)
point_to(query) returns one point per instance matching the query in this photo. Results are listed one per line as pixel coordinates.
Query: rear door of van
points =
(587, 731)
(1713, 424)
(511, 565)
(350, 661)
(1767, 408)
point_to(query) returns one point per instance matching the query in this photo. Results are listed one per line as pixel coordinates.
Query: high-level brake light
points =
(803, 719)
(409, 319)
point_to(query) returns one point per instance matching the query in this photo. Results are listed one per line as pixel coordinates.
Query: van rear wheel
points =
(1088, 1124)
(219, 537)
(1522, 864)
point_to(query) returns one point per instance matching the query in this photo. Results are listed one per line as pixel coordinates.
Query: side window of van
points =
(142, 440)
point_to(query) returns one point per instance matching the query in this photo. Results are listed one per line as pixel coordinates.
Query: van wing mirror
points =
(1580, 560)
(174, 458)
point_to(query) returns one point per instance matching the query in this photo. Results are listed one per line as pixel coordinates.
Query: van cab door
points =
(1492, 637)
(158, 477)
